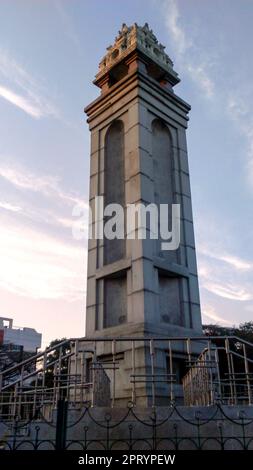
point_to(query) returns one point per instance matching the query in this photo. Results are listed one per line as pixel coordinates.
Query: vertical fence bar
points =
(82, 377)
(35, 396)
(171, 373)
(61, 424)
(114, 371)
(44, 376)
(133, 374)
(210, 375)
(93, 374)
(15, 401)
(246, 366)
(218, 372)
(190, 370)
(60, 377)
(20, 391)
(229, 370)
(54, 385)
(152, 357)
(69, 376)
(86, 375)
(76, 367)
(233, 379)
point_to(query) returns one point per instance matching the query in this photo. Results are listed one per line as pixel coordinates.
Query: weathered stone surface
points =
(133, 286)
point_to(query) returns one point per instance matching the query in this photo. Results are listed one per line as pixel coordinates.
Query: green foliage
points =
(244, 331)
(52, 358)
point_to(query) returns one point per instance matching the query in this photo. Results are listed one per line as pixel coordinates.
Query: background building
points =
(26, 338)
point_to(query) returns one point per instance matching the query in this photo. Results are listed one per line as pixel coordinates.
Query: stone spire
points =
(136, 42)
(139, 156)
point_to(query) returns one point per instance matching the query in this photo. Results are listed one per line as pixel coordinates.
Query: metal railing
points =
(223, 372)
(141, 370)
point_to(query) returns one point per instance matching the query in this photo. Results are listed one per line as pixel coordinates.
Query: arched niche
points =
(114, 287)
(114, 184)
(170, 305)
(163, 172)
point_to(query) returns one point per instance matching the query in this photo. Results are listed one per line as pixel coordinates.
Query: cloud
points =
(30, 96)
(47, 185)
(210, 313)
(172, 22)
(36, 265)
(232, 260)
(236, 262)
(198, 62)
(239, 111)
(53, 208)
(74, 223)
(189, 57)
(225, 276)
(228, 291)
(200, 75)
(21, 102)
(9, 207)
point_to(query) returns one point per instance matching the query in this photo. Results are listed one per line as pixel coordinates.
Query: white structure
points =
(29, 338)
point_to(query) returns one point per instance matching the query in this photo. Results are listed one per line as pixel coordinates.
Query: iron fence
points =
(176, 428)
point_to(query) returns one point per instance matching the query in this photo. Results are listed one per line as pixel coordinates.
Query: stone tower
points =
(139, 155)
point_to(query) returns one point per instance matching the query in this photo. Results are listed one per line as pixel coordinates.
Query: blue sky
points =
(49, 54)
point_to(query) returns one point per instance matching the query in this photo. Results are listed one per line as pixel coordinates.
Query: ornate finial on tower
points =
(142, 41)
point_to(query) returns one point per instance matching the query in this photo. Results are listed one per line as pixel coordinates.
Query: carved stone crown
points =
(137, 38)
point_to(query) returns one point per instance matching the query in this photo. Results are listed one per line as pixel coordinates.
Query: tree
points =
(52, 358)
(244, 331)
(239, 352)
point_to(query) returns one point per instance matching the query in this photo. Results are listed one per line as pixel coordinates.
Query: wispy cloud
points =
(21, 102)
(235, 261)
(188, 54)
(36, 265)
(172, 22)
(199, 63)
(209, 313)
(200, 76)
(51, 210)
(225, 275)
(239, 111)
(10, 207)
(48, 185)
(228, 291)
(22, 90)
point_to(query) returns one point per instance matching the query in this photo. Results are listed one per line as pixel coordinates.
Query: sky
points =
(49, 55)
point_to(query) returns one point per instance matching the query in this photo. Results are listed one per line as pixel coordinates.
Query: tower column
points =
(139, 156)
